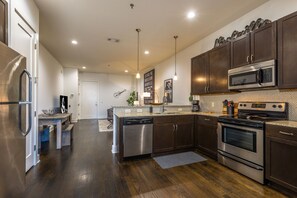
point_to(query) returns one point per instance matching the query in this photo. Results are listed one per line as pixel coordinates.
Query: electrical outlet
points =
(212, 104)
(127, 110)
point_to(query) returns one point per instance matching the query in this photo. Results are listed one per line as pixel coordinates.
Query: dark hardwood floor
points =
(89, 169)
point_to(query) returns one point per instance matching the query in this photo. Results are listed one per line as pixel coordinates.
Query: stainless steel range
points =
(241, 137)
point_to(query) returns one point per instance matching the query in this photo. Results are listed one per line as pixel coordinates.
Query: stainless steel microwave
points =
(256, 75)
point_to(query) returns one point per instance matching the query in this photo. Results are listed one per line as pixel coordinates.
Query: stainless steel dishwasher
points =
(137, 136)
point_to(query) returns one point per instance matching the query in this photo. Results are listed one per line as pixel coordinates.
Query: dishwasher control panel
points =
(136, 121)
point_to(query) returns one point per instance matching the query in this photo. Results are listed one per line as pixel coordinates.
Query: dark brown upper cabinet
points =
(240, 51)
(200, 74)
(257, 46)
(4, 22)
(287, 51)
(210, 71)
(219, 64)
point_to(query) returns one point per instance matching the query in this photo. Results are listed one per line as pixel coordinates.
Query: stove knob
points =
(244, 105)
(274, 106)
(280, 106)
(240, 105)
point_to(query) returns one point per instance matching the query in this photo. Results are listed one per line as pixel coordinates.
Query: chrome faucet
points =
(164, 103)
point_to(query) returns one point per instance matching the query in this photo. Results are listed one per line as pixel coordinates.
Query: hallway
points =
(89, 169)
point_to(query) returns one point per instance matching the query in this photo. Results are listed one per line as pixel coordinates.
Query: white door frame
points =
(80, 97)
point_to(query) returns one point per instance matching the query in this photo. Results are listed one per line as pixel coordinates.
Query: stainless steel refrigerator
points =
(15, 120)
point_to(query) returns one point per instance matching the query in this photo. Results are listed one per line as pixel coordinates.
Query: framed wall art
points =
(149, 86)
(168, 90)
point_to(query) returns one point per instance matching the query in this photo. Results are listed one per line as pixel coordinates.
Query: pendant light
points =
(175, 75)
(138, 74)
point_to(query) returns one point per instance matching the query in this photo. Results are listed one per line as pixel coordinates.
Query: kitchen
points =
(212, 102)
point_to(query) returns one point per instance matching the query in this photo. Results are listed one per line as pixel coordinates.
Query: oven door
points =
(244, 142)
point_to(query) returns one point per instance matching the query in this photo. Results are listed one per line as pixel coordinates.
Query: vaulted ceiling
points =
(92, 22)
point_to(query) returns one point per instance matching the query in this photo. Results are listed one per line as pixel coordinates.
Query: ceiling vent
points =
(114, 40)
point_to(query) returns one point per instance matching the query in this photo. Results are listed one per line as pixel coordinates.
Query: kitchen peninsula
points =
(175, 129)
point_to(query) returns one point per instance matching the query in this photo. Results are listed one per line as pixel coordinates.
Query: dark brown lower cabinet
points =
(206, 135)
(184, 134)
(163, 137)
(281, 156)
(173, 133)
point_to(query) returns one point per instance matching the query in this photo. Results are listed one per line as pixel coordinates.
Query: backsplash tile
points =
(289, 96)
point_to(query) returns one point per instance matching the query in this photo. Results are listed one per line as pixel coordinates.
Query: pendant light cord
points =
(175, 37)
(138, 30)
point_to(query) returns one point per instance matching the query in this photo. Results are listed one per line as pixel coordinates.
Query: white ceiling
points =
(91, 22)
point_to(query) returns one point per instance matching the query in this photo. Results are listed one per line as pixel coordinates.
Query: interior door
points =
(89, 100)
(24, 42)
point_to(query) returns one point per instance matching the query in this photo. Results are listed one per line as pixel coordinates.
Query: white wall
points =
(71, 90)
(108, 84)
(50, 80)
(273, 10)
(28, 10)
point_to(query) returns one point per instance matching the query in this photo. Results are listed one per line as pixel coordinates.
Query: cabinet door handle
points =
(176, 127)
(252, 58)
(248, 59)
(205, 89)
(173, 127)
(286, 133)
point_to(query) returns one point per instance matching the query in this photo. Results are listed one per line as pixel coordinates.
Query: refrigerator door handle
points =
(29, 102)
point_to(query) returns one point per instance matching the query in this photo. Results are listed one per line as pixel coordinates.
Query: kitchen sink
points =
(170, 112)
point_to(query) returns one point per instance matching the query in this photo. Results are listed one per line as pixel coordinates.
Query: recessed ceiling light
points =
(84, 67)
(126, 71)
(191, 15)
(74, 42)
(146, 52)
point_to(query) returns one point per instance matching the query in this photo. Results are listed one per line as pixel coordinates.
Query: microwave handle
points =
(260, 76)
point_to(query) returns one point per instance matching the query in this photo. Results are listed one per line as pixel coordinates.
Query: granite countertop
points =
(147, 106)
(147, 114)
(285, 123)
(56, 116)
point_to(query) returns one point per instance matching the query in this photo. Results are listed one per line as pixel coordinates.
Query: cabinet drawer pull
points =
(206, 119)
(286, 133)
(248, 59)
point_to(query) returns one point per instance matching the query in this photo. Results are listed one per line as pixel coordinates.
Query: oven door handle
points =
(242, 161)
(240, 127)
